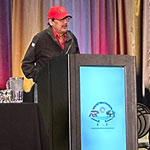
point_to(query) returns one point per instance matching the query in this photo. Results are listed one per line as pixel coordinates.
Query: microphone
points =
(69, 47)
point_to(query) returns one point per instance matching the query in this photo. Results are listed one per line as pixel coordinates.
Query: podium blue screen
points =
(102, 108)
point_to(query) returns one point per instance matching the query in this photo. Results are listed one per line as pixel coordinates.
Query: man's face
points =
(60, 26)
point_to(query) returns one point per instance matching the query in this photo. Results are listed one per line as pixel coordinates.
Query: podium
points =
(88, 102)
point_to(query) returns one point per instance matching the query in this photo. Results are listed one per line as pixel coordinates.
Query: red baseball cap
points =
(58, 12)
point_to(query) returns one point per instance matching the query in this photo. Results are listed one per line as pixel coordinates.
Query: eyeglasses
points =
(64, 19)
(67, 18)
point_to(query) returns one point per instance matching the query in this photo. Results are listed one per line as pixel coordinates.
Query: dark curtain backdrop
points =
(101, 27)
(5, 41)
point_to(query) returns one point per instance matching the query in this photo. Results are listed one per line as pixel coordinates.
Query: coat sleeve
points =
(76, 43)
(29, 61)
(77, 46)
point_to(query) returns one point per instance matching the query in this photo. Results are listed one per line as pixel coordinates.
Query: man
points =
(54, 41)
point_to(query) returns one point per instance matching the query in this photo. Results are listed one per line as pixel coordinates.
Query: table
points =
(22, 127)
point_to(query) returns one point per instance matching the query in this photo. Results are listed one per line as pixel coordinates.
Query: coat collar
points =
(50, 32)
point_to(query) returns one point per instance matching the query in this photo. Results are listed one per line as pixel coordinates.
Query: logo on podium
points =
(102, 113)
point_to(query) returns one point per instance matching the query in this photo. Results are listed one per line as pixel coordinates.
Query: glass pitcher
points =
(16, 85)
